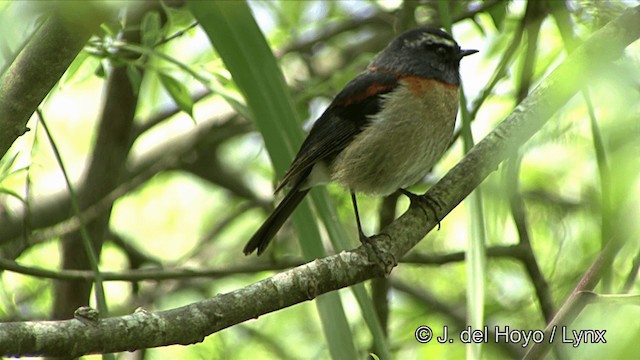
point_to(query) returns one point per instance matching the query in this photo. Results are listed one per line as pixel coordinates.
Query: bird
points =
(383, 132)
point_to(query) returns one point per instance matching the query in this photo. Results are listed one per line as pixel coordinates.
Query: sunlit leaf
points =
(12, 194)
(498, 13)
(178, 92)
(73, 70)
(111, 28)
(150, 28)
(135, 77)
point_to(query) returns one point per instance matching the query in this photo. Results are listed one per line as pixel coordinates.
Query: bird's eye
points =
(441, 51)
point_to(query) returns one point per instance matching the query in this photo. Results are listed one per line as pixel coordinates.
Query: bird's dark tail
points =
(261, 239)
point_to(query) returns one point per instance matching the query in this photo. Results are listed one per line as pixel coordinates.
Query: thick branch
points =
(38, 67)
(191, 323)
(106, 167)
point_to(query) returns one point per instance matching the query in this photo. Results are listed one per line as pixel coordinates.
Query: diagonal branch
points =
(191, 323)
(576, 301)
(39, 66)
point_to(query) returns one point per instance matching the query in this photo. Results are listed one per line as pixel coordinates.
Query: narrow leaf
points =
(178, 92)
(134, 77)
(150, 29)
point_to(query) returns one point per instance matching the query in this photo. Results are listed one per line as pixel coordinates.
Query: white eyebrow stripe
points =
(427, 38)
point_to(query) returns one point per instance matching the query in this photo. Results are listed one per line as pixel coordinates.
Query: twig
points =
(576, 301)
(526, 254)
(633, 274)
(533, 18)
(513, 251)
(148, 274)
(593, 298)
(84, 233)
(176, 34)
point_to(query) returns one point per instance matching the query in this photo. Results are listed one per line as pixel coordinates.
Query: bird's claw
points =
(422, 202)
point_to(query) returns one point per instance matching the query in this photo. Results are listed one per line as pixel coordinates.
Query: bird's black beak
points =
(464, 53)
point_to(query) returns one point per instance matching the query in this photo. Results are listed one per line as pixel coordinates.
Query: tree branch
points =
(39, 66)
(158, 274)
(105, 169)
(576, 301)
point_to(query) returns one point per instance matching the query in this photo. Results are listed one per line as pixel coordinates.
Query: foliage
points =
(186, 179)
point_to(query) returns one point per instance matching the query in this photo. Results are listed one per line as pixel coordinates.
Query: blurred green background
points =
(195, 177)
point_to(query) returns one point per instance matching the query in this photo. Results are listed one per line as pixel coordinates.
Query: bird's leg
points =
(384, 259)
(363, 238)
(422, 202)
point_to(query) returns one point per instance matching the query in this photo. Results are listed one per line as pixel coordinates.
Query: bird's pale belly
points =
(403, 141)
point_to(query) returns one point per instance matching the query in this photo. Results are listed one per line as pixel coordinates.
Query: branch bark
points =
(106, 167)
(56, 209)
(39, 66)
(193, 322)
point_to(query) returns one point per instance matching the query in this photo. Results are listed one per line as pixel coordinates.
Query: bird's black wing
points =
(347, 115)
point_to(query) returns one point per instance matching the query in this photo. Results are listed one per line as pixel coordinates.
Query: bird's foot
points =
(382, 257)
(423, 202)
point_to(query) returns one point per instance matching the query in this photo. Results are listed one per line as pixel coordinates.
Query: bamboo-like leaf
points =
(178, 92)
(150, 28)
(339, 240)
(76, 65)
(13, 194)
(475, 254)
(135, 77)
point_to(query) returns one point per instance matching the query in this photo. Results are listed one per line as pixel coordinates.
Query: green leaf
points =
(134, 77)
(150, 29)
(111, 28)
(12, 194)
(75, 66)
(100, 71)
(498, 13)
(177, 17)
(6, 163)
(213, 86)
(178, 92)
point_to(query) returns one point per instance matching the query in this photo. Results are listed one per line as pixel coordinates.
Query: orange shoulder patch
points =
(419, 85)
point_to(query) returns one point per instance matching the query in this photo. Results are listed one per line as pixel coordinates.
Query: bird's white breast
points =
(402, 142)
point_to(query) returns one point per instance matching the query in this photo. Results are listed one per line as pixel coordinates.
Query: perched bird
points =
(383, 132)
